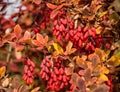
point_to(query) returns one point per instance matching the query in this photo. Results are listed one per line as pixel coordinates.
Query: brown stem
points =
(8, 55)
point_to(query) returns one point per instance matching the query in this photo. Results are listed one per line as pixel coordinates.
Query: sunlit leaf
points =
(39, 37)
(100, 53)
(35, 89)
(18, 54)
(26, 38)
(51, 6)
(58, 48)
(46, 39)
(69, 46)
(97, 8)
(72, 51)
(104, 70)
(80, 62)
(2, 71)
(115, 59)
(99, 30)
(17, 31)
(54, 13)
(103, 13)
(36, 42)
(69, 49)
(37, 1)
(69, 71)
(103, 77)
(6, 82)
(81, 72)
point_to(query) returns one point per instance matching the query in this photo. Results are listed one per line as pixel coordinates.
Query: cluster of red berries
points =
(82, 37)
(29, 71)
(54, 73)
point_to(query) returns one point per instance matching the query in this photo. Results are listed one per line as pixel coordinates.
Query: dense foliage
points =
(60, 46)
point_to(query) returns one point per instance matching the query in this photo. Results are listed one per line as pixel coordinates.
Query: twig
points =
(8, 55)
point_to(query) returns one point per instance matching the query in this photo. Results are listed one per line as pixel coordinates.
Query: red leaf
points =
(17, 31)
(51, 6)
(13, 67)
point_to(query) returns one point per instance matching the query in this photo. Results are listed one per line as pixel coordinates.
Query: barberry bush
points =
(60, 46)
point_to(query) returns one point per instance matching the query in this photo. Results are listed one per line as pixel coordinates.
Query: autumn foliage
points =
(60, 46)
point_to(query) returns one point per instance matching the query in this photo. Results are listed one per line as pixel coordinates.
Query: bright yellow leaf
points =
(103, 77)
(58, 48)
(104, 70)
(49, 48)
(103, 13)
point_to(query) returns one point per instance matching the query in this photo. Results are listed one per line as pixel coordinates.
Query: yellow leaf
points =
(100, 53)
(103, 13)
(103, 77)
(104, 70)
(99, 29)
(49, 48)
(58, 48)
(115, 59)
(2, 71)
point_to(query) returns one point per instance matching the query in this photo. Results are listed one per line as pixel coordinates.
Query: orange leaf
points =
(46, 39)
(27, 35)
(69, 71)
(37, 1)
(2, 71)
(51, 6)
(35, 89)
(17, 31)
(36, 42)
(54, 14)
